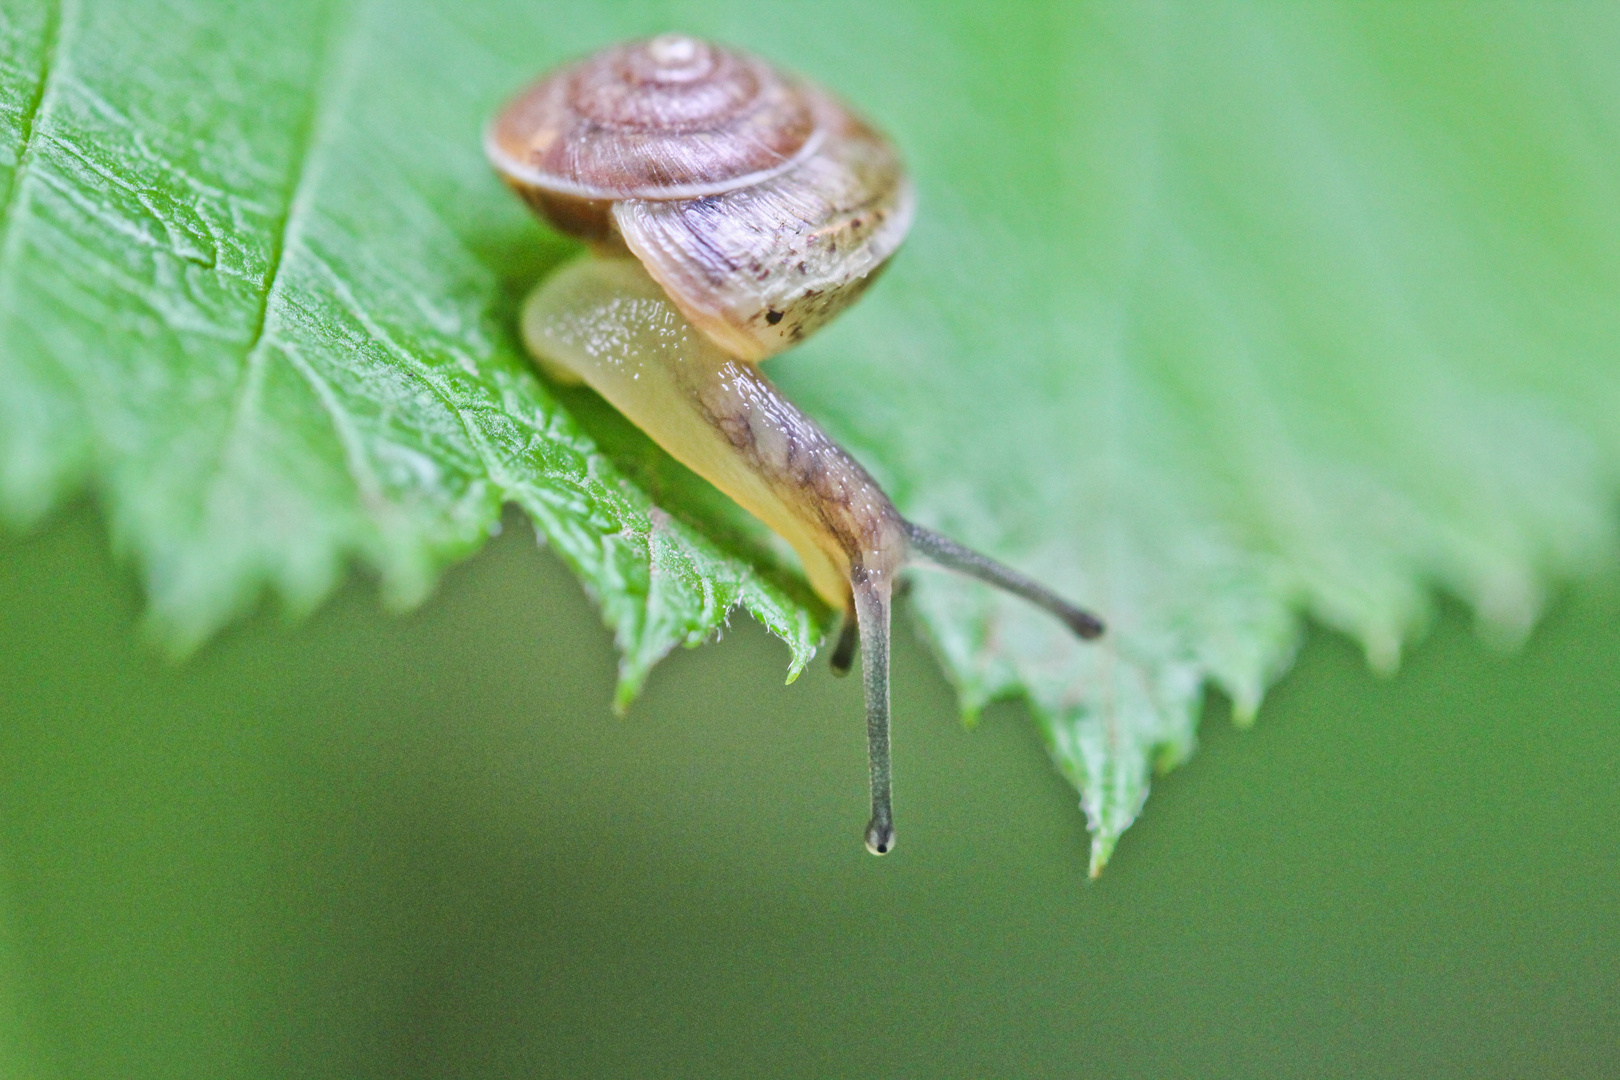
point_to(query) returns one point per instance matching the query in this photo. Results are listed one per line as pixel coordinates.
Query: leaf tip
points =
(1383, 652)
(802, 655)
(1102, 849)
(628, 688)
(971, 701)
(1245, 708)
(177, 631)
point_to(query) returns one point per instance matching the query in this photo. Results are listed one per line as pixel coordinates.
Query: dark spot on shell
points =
(773, 317)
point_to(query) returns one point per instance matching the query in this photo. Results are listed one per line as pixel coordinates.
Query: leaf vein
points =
(424, 374)
(53, 38)
(297, 193)
(256, 354)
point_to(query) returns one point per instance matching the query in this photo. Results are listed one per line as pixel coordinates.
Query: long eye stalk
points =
(872, 611)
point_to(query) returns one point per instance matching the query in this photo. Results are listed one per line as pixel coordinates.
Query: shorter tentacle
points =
(843, 654)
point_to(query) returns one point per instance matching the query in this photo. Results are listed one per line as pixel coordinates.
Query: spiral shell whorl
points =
(668, 118)
(761, 203)
(760, 268)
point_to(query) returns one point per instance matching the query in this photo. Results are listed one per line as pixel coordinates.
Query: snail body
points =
(731, 210)
(607, 322)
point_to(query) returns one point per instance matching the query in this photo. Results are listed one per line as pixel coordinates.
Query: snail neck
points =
(608, 323)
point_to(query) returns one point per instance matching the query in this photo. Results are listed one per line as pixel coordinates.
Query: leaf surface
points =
(1214, 316)
(238, 298)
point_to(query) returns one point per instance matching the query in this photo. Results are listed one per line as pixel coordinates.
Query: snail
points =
(730, 210)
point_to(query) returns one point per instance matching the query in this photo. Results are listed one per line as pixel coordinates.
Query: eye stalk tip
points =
(1084, 624)
(880, 837)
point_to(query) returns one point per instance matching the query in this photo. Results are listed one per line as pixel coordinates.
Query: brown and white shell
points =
(760, 203)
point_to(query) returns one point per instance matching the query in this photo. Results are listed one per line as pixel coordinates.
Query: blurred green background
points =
(421, 846)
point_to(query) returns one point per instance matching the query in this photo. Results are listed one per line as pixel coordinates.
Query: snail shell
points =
(762, 205)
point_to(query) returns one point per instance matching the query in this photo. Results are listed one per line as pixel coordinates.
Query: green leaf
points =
(1214, 316)
(242, 294)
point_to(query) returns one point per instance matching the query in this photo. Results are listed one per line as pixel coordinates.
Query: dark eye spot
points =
(773, 317)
